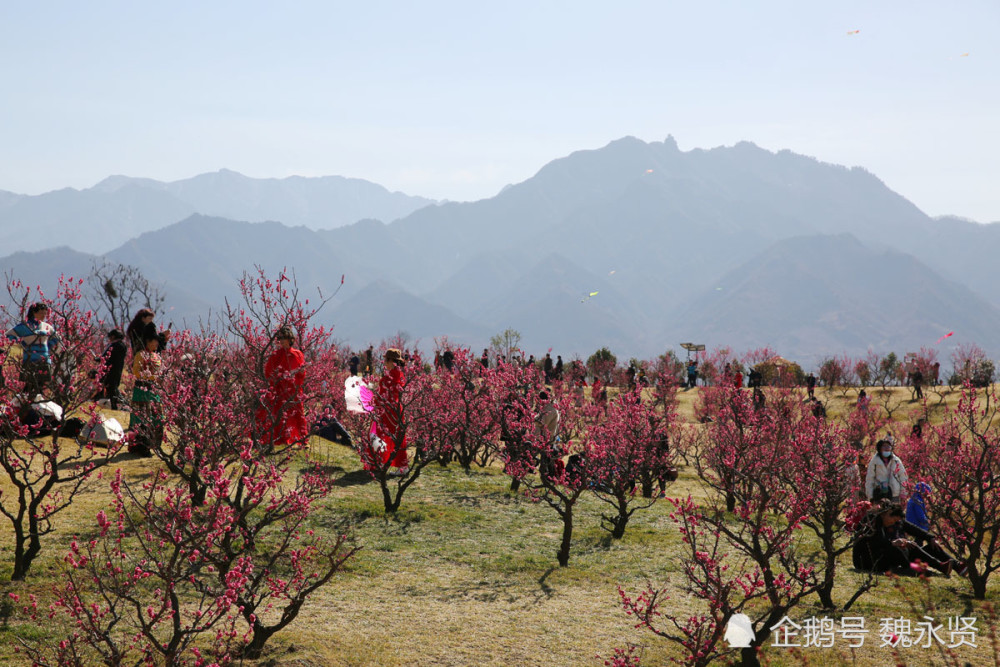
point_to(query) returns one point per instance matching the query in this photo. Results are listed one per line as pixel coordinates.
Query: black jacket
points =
(875, 552)
(113, 360)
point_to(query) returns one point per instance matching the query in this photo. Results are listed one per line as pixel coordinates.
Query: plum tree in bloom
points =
(960, 459)
(170, 580)
(464, 424)
(268, 305)
(268, 527)
(758, 355)
(45, 471)
(511, 392)
(664, 377)
(208, 406)
(923, 361)
(837, 371)
(213, 386)
(863, 370)
(226, 540)
(821, 473)
(534, 456)
(138, 592)
(745, 430)
(626, 450)
(175, 569)
(712, 368)
(421, 416)
(707, 578)
(748, 559)
(221, 466)
(970, 363)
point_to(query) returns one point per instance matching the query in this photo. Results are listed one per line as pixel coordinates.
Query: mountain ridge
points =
(679, 245)
(95, 219)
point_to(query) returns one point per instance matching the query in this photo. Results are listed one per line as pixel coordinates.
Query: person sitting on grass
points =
(885, 545)
(916, 506)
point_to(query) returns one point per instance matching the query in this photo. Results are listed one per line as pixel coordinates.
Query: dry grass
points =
(466, 575)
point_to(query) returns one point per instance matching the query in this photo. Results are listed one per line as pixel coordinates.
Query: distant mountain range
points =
(737, 246)
(812, 293)
(118, 208)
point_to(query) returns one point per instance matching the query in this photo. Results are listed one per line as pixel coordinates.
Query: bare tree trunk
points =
(567, 536)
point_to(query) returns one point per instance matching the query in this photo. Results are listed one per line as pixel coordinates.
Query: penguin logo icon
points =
(739, 631)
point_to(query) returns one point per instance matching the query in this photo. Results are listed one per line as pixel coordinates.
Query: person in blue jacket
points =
(916, 506)
(38, 340)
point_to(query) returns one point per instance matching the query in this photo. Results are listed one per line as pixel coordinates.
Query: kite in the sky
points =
(611, 272)
(358, 397)
(589, 296)
(950, 333)
(853, 32)
(650, 171)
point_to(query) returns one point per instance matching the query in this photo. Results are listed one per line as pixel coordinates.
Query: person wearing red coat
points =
(389, 411)
(281, 420)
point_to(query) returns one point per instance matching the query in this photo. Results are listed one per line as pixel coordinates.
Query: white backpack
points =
(104, 430)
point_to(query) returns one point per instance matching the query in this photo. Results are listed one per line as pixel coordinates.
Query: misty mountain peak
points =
(670, 143)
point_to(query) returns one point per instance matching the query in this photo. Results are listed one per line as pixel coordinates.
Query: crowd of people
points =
(279, 419)
(891, 539)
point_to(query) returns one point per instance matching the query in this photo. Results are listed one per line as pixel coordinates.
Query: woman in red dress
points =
(281, 420)
(389, 412)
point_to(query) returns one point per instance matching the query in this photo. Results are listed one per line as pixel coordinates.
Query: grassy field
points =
(466, 574)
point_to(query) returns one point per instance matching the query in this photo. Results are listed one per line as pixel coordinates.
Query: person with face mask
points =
(886, 473)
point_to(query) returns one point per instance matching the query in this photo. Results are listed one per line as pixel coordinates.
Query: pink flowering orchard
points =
(628, 451)
(217, 546)
(215, 553)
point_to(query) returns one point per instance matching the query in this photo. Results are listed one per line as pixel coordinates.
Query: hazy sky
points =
(453, 100)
